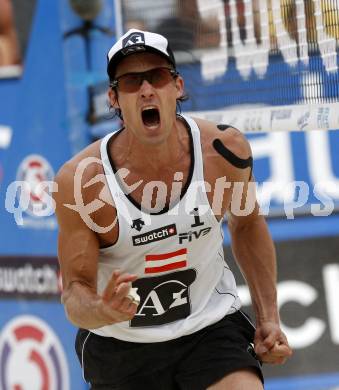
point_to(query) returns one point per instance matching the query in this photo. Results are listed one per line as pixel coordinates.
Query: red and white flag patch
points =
(166, 261)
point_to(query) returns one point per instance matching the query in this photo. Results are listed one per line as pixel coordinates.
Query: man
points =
(143, 271)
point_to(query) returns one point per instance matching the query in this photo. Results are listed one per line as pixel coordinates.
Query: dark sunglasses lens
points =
(158, 77)
(130, 82)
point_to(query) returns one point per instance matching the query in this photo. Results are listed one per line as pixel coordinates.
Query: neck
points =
(157, 157)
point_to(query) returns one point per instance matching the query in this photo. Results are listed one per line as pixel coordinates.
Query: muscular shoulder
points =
(84, 159)
(83, 198)
(225, 144)
(79, 169)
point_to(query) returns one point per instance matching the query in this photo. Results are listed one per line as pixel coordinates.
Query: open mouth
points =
(151, 117)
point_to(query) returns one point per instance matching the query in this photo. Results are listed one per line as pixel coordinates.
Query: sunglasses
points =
(157, 77)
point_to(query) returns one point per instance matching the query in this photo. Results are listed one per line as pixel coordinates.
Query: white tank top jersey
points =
(183, 282)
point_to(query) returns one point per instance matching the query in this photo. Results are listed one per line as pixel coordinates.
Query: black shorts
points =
(191, 362)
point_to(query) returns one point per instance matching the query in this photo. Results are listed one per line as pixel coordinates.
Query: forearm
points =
(82, 306)
(254, 252)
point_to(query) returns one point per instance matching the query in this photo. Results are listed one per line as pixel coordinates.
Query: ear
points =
(113, 98)
(179, 83)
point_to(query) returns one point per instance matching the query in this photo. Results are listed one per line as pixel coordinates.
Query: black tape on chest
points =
(231, 157)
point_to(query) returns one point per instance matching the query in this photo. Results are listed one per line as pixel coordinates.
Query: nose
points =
(146, 89)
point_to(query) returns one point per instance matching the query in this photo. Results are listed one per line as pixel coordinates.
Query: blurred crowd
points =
(193, 24)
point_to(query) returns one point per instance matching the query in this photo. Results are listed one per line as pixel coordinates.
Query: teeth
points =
(149, 108)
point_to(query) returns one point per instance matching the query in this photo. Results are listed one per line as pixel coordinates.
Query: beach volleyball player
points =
(155, 302)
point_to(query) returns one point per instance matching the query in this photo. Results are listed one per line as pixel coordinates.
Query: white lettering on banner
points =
(216, 56)
(319, 162)
(327, 44)
(28, 280)
(304, 294)
(277, 148)
(331, 282)
(300, 292)
(312, 87)
(303, 117)
(302, 32)
(287, 46)
(251, 55)
(244, 51)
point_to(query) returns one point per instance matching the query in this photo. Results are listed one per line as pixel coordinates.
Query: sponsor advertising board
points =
(308, 277)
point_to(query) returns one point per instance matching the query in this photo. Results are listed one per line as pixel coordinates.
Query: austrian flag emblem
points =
(156, 263)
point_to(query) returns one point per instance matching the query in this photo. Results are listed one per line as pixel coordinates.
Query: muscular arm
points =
(78, 250)
(254, 252)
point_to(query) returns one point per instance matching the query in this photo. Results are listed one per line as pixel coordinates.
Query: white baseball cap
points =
(137, 41)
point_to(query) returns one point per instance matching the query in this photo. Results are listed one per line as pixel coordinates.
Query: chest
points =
(157, 191)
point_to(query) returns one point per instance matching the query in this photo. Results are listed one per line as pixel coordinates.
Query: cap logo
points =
(136, 38)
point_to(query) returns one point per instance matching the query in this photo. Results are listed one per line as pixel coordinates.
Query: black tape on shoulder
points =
(231, 157)
(223, 127)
